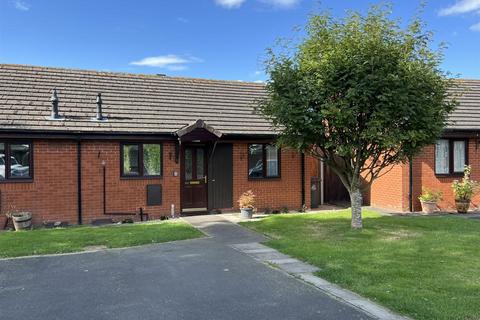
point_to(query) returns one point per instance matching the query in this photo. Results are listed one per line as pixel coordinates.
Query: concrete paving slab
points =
(297, 267)
(263, 250)
(283, 261)
(268, 256)
(249, 246)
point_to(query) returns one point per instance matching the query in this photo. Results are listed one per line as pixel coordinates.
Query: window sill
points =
(29, 180)
(265, 178)
(449, 175)
(140, 177)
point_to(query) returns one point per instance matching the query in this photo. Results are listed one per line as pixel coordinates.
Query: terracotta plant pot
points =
(246, 213)
(462, 205)
(429, 207)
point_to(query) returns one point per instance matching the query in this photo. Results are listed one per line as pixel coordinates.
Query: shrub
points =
(430, 195)
(465, 189)
(247, 200)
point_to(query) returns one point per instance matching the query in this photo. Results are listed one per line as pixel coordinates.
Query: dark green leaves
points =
(357, 89)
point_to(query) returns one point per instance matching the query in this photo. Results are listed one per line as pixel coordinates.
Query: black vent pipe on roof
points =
(99, 107)
(54, 100)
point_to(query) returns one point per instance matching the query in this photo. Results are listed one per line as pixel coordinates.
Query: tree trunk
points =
(356, 204)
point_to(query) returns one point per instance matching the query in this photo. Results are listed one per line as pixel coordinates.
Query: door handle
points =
(205, 179)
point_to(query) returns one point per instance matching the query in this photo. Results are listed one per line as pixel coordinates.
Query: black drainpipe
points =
(79, 180)
(303, 179)
(410, 184)
(104, 189)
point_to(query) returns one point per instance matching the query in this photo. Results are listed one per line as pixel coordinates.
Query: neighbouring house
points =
(438, 165)
(79, 146)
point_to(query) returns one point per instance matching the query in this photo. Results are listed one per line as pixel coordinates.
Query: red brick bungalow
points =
(438, 165)
(169, 145)
(163, 144)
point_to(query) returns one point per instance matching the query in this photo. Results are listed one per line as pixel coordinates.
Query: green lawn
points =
(424, 267)
(44, 241)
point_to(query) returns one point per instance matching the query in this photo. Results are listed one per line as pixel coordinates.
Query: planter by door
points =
(429, 207)
(22, 220)
(462, 205)
(246, 213)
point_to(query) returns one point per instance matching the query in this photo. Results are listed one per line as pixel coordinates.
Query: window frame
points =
(141, 167)
(8, 178)
(264, 160)
(451, 169)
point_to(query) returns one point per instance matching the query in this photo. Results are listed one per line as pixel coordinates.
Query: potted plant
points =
(429, 199)
(464, 190)
(246, 202)
(21, 220)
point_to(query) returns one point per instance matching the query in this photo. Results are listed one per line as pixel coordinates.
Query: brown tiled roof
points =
(132, 103)
(135, 103)
(467, 114)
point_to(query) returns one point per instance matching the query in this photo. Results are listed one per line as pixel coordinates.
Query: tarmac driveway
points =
(191, 279)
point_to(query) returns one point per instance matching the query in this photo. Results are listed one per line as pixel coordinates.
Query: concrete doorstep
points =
(304, 271)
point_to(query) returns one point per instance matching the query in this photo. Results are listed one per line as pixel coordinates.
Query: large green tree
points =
(360, 93)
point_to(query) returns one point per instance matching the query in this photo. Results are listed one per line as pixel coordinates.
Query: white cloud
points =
(20, 5)
(230, 4)
(259, 81)
(461, 6)
(284, 4)
(475, 27)
(170, 61)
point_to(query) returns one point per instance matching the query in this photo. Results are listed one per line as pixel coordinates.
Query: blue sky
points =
(220, 39)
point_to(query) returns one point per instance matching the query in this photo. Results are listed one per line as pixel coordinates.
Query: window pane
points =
(188, 164)
(255, 160)
(152, 158)
(272, 161)
(3, 164)
(442, 156)
(458, 156)
(19, 160)
(200, 164)
(130, 159)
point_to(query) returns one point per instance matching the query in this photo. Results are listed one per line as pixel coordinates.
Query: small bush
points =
(247, 200)
(430, 195)
(466, 189)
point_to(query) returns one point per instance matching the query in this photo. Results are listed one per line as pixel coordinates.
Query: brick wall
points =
(391, 191)
(53, 192)
(424, 175)
(275, 193)
(52, 196)
(124, 194)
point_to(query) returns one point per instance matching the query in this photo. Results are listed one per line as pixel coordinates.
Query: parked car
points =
(257, 170)
(16, 168)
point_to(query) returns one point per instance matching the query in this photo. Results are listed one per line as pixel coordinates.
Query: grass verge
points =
(424, 267)
(72, 239)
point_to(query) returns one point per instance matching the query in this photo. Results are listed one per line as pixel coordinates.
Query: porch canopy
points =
(198, 131)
